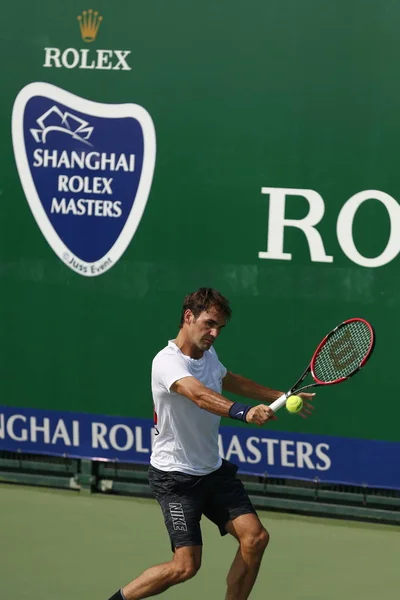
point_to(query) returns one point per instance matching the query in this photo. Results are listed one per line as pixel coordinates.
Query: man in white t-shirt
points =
(188, 477)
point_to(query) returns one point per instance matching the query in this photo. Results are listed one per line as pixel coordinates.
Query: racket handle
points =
(279, 402)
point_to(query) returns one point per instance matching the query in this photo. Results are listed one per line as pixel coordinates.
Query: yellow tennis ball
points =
(294, 404)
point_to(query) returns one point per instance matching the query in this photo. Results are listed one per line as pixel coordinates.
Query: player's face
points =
(204, 330)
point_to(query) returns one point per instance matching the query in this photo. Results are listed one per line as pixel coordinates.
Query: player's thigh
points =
(181, 505)
(227, 499)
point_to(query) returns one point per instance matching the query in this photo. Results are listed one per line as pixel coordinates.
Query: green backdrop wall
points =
(243, 96)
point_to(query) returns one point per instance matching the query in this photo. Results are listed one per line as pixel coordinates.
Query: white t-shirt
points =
(188, 435)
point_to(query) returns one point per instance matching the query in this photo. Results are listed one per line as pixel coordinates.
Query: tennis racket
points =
(340, 355)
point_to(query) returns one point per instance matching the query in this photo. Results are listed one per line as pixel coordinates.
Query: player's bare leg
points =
(253, 539)
(184, 565)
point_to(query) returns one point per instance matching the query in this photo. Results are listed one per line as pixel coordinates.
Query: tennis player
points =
(186, 474)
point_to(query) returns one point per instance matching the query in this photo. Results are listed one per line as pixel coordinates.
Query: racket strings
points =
(343, 351)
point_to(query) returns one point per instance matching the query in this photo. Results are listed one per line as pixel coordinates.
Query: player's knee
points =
(185, 570)
(265, 538)
(255, 543)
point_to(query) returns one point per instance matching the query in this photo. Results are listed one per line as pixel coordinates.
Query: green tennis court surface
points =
(57, 545)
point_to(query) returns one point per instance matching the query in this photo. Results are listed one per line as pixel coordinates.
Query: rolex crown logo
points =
(89, 24)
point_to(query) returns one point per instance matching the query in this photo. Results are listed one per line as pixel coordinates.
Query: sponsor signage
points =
(86, 169)
(256, 451)
(87, 58)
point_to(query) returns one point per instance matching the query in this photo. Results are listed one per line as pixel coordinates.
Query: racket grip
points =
(279, 402)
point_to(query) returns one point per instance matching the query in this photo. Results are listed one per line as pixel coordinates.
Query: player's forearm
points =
(209, 400)
(204, 397)
(250, 389)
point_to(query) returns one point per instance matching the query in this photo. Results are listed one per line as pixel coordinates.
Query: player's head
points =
(204, 314)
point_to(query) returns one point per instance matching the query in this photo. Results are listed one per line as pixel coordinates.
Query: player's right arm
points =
(208, 399)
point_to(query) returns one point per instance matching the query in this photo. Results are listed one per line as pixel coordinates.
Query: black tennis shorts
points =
(220, 496)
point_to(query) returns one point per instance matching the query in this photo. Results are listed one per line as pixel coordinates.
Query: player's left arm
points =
(241, 386)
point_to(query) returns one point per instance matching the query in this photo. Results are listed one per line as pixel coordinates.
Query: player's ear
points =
(188, 316)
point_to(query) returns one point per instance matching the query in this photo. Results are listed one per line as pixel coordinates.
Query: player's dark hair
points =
(204, 299)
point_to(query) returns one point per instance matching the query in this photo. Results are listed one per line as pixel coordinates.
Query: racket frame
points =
(330, 334)
(281, 401)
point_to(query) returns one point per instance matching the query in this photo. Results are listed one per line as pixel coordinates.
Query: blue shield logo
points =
(86, 169)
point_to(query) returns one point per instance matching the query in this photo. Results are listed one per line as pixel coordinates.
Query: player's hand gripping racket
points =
(340, 355)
